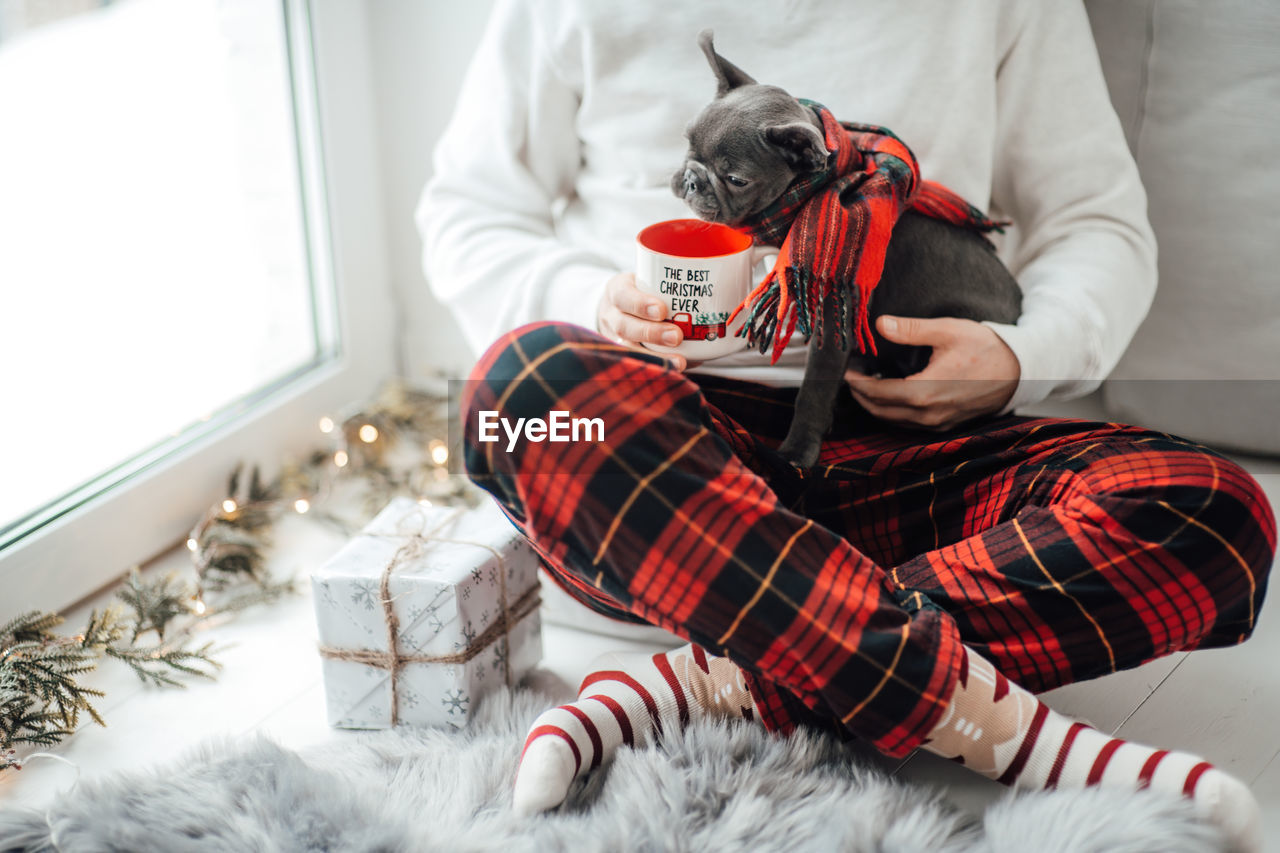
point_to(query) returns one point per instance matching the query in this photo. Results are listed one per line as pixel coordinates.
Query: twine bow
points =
(393, 659)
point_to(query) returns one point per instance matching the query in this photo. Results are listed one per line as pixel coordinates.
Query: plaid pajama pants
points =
(1059, 549)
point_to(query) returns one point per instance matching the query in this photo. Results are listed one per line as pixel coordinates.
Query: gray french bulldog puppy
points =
(745, 149)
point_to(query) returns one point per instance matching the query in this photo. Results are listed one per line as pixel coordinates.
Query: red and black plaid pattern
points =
(833, 229)
(1060, 550)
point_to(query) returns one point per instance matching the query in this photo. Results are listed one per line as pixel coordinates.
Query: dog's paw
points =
(802, 452)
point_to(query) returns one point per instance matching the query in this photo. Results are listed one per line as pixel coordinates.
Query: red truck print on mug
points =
(700, 331)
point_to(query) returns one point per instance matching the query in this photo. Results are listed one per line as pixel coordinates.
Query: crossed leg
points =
(875, 591)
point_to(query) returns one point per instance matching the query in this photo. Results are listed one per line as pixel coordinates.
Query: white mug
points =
(703, 270)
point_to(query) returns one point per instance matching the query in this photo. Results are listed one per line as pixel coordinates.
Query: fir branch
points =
(29, 626)
(253, 503)
(156, 602)
(414, 410)
(154, 664)
(22, 722)
(227, 549)
(104, 629)
(260, 493)
(40, 699)
(47, 671)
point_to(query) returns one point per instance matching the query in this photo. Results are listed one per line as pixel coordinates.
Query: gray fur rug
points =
(717, 788)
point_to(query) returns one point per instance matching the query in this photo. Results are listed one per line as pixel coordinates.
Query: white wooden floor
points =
(1223, 704)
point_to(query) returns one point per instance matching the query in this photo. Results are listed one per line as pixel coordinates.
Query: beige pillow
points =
(1197, 88)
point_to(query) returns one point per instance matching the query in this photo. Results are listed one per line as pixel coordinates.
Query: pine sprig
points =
(232, 539)
(22, 718)
(156, 602)
(154, 664)
(104, 629)
(29, 626)
(40, 698)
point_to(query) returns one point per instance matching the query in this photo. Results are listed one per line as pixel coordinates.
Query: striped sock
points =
(629, 699)
(1000, 730)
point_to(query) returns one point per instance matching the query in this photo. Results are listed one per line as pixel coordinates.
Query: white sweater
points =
(571, 117)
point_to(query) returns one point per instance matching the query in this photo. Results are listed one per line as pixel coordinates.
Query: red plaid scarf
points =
(833, 227)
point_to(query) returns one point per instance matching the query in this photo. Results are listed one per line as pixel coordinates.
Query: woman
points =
(934, 569)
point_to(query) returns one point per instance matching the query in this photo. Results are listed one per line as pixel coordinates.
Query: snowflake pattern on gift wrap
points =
(329, 592)
(468, 637)
(455, 702)
(408, 699)
(493, 576)
(416, 620)
(365, 595)
(466, 593)
(475, 574)
(500, 655)
(433, 616)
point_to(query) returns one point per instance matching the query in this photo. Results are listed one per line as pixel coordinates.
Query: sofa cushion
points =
(1197, 88)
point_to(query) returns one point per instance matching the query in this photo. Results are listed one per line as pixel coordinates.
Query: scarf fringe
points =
(795, 300)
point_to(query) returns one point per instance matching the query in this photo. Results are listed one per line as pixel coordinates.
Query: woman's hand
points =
(971, 372)
(630, 316)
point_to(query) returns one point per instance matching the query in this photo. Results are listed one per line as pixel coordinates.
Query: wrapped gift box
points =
(447, 572)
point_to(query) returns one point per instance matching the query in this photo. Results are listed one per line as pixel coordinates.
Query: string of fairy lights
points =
(394, 446)
(437, 451)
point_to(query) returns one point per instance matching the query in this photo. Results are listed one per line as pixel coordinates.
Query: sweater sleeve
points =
(1085, 254)
(508, 155)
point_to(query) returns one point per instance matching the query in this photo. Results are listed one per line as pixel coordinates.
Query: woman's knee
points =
(1230, 521)
(541, 371)
(1206, 516)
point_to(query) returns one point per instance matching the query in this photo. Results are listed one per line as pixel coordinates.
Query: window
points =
(176, 294)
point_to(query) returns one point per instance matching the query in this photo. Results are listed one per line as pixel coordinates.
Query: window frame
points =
(91, 538)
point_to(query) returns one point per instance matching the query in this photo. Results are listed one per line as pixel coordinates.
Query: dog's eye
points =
(736, 181)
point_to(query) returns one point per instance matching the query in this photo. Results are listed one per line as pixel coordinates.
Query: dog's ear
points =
(728, 75)
(800, 144)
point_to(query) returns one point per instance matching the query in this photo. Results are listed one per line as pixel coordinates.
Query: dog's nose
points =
(690, 182)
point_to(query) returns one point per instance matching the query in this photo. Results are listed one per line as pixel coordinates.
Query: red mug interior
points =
(693, 238)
